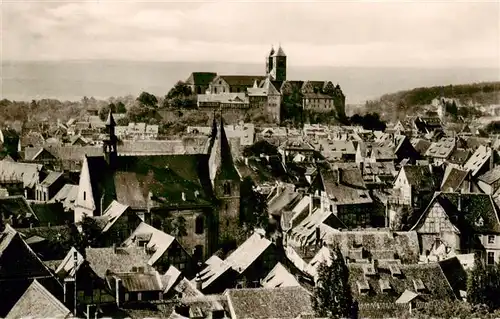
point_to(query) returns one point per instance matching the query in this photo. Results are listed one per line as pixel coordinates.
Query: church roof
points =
(221, 161)
(271, 52)
(280, 52)
(110, 121)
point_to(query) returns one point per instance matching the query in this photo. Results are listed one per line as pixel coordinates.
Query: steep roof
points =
(135, 281)
(159, 241)
(420, 177)
(480, 157)
(201, 78)
(469, 212)
(264, 303)
(38, 302)
(459, 156)
(16, 206)
(441, 149)
(51, 178)
(279, 276)
(454, 179)
(490, 176)
(110, 121)
(122, 260)
(248, 252)
(111, 215)
(220, 162)
(24, 172)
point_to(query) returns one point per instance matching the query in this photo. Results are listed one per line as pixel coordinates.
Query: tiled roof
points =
(490, 176)
(238, 98)
(51, 213)
(381, 244)
(23, 172)
(341, 194)
(248, 252)
(264, 303)
(421, 145)
(420, 177)
(103, 259)
(159, 241)
(459, 156)
(304, 233)
(67, 266)
(469, 212)
(112, 214)
(16, 206)
(135, 281)
(38, 302)
(279, 202)
(51, 178)
(480, 157)
(201, 78)
(441, 149)
(453, 179)
(67, 195)
(244, 80)
(436, 286)
(170, 278)
(279, 276)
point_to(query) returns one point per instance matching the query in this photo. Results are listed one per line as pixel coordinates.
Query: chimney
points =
(118, 290)
(459, 204)
(430, 168)
(183, 196)
(339, 176)
(492, 158)
(246, 161)
(114, 248)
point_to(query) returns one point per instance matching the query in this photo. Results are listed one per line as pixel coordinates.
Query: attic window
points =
(369, 270)
(418, 284)
(363, 286)
(384, 284)
(395, 270)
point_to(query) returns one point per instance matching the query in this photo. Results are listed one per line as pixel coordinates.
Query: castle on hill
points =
(267, 91)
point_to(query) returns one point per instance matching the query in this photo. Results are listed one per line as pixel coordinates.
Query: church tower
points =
(269, 61)
(279, 65)
(109, 144)
(225, 183)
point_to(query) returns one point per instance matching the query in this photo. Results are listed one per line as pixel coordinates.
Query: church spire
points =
(109, 144)
(221, 163)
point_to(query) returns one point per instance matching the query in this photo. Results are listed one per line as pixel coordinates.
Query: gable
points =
(436, 221)
(43, 154)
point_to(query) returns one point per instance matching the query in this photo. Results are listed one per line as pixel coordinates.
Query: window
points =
(198, 252)
(139, 296)
(199, 225)
(227, 188)
(491, 239)
(491, 258)
(84, 195)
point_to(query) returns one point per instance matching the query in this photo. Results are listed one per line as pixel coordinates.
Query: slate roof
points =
(453, 179)
(103, 259)
(436, 285)
(477, 214)
(38, 302)
(264, 303)
(159, 241)
(201, 78)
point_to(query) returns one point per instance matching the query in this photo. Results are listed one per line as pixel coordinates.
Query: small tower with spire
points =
(225, 182)
(279, 64)
(110, 142)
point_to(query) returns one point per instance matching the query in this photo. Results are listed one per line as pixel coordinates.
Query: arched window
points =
(199, 225)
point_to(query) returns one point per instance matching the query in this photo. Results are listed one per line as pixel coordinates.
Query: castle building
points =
(202, 190)
(266, 92)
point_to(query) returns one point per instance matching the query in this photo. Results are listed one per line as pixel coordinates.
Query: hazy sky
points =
(418, 34)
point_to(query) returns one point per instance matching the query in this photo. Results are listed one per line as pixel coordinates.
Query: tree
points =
(147, 99)
(483, 285)
(253, 207)
(180, 96)
(332, 295)
(90, 231)
(103, 112)
(120, 107)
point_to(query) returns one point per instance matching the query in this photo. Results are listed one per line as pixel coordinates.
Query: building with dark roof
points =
(200, 81)
(166, 188)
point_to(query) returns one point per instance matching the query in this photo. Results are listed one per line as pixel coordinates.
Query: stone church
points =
(202, 190)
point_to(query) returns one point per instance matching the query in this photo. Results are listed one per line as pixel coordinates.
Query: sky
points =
(423, 34)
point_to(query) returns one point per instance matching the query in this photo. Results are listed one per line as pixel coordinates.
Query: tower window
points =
(199, 225)
(84, 195)
(227, 188)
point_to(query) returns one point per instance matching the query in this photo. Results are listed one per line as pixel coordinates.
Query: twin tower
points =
(276, 64)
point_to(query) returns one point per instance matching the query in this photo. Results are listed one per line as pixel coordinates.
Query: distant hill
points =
(402, 103)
